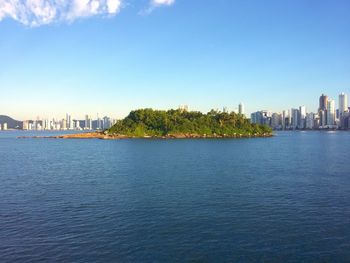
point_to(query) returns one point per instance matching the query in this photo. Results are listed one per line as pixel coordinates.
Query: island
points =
(149, 123)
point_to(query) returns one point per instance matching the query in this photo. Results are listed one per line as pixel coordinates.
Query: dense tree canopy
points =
(149, 122)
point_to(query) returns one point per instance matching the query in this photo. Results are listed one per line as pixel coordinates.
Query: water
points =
(280, 199)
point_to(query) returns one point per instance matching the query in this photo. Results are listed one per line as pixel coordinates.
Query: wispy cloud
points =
(162, 2)
(41, 12)
(156, 3)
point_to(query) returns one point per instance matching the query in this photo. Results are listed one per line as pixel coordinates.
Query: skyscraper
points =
(330, 112)
(77, 124)
(309, 121)
(302, 116)
(283, 121)
(241, 108)
(295, 118)
(64, 124)
(86, 127)
(322, 110)
(323, 102)
(343, 103)
(276, 121)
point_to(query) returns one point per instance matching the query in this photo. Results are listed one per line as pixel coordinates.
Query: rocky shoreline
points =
(103, 136)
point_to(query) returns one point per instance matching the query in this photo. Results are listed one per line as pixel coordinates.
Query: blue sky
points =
(269, 54)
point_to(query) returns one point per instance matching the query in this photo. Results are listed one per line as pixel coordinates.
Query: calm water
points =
(284, 199)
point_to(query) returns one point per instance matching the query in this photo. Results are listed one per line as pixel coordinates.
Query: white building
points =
(302, 116)
(88, 123)
(343, 103)
(4, 126)
(285, 119)
(310, 121)
(77, 125)
(25, 125)
(330, 113)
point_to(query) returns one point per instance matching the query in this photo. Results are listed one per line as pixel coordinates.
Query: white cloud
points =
(113, 6)
(41, 12)
(156, 3)
(162, 2)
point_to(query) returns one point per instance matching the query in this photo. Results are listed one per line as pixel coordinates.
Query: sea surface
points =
(280, 199)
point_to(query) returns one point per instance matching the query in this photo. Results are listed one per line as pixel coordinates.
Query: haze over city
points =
(123, 55)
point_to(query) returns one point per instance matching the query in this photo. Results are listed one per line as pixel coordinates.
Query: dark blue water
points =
(281, 199)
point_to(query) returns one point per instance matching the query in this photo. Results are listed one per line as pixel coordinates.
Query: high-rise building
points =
(77, 124)
(106, 122)
(276, 121)
(323, 118)
(241, 108)
(302, 116)
(283, 120)
(295, 118)
(25, 125)
(47, 124)
(64, 124)
(323, 102)
(322, 110)
(67, 124)
(310, 121)
(86, 126)
(261, 117)
(330, 112)
(343, 103)
(70, 123)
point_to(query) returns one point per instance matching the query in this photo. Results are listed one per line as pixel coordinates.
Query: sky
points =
(113, 56)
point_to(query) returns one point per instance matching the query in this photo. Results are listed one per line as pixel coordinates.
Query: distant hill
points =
(11, 123)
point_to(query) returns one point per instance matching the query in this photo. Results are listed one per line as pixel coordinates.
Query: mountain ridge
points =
(11, 123)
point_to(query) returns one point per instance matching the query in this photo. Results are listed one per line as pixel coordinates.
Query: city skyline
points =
(119, 114)
(141, 54)
(232, 107)
(329, 115)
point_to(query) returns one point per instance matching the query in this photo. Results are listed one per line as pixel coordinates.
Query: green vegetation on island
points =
(179, 123)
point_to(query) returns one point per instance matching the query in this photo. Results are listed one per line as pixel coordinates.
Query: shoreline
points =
(102, 136)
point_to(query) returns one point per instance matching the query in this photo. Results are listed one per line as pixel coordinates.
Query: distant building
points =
(69, 122)
(323, 118)
(64, 124)
(77, 125)
(4, 126)
(261, 117)
(343, 103)
(276, 121)
(295, 119)
(323, 102)
(25, 125)
(322, 110)
(330, 113)
(241, 109)
(310, 121)
(87, 123)
(183, 108)
(302, 117)
(107, 122)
